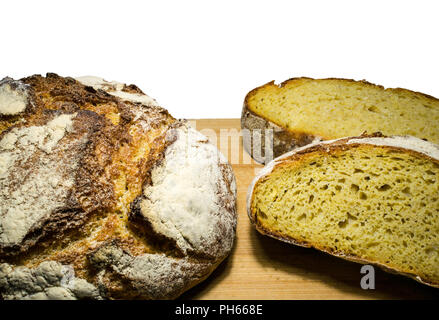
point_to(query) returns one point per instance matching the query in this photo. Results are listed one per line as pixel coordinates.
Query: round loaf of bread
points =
(104, 195)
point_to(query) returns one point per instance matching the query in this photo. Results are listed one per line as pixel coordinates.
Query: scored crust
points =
(132, 204)
(401, 143)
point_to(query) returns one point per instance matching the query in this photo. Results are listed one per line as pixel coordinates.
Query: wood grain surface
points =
(263, 268)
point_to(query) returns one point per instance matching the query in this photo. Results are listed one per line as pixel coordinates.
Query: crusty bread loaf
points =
(369, 199)
(302, 110)
(104, 195)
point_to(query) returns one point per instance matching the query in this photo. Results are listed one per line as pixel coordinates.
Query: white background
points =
(200, 58)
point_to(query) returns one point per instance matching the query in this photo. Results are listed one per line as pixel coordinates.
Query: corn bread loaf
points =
(104, 195)
(279, 118)
(369, 199)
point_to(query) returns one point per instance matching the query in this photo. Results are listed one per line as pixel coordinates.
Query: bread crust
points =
(258, 131)
(285, 139)
(100, 243)
(331, 147)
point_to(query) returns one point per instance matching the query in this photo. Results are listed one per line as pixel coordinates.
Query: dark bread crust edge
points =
(285, 139)
(327, 148)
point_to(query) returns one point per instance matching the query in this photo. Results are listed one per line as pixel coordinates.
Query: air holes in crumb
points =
(351, 217)
(363, 196)
(406, 191)
(343, 224)
(311, 198)
(358, 170)
(384, 187)
(300, 218)
(262, 215)
(373, 109)
(355, 187)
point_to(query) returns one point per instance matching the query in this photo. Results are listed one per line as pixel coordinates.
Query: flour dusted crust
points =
(126, 92)
(402, 143)
(105, 196)
(48, 281)
(38, 169)
(14, 97)
(187, 199)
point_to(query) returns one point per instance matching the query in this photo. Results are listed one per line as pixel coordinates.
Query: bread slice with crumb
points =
(301, 110)
(368, 199)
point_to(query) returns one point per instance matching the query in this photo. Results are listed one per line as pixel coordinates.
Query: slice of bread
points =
(301, 110)
(369, 199)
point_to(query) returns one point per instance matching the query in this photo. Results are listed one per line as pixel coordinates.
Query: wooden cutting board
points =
(263, 268)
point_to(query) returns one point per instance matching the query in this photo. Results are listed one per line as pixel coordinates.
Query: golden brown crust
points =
(93, 190)
(83, 197)
(332, 148)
